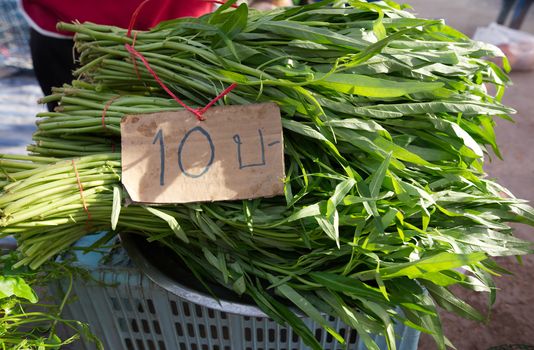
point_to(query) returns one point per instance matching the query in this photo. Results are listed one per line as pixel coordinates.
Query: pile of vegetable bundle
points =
(386, 123)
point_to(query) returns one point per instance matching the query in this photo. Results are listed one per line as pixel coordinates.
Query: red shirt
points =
(43, 15)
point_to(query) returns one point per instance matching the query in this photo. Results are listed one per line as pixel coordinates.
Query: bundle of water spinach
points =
(386, 120)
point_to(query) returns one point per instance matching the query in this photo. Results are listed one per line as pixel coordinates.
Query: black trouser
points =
(53, 61)
(519, 15)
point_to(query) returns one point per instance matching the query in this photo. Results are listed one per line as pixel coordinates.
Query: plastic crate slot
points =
(129, 344)
(246, 318)
(179, 329)
(174, 308)
(259, 334)
(295, 337)
(146, 327)
(213, 331)
(216, 347)
(211, 313)
(202, 331)
(224, 316)
(140, 345)
(318, 334)
(186, 309)
(248, 334)
(161, 345)
(198, 310)
(135, 327)
(342, 332)
(115, 304)
(205, 347)
(139, 306)
(225, 333)
(353, 338)
(126, 304)
(329, 338)
(151, 344)
(283, 335)
(272, 335)
(151, 307)
(190, 330)
(122, 324)
(183, 346)
(194, 347)
(157, 328)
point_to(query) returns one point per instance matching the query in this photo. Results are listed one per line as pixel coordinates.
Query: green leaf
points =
(171, 221)
(351, 317)
(236, 22)
(339, 193)
(307, 308)
(294, 29)
(312, 210)
(347, 285)
(372, 87)
(386, 319)
(378, 26)
(377, 178)
(459, 132)
(16, 286)
(239, 286)
(303, 130)
(424, 267)
(329, 224)
(281, 313)
(451, 303)
(227, 4)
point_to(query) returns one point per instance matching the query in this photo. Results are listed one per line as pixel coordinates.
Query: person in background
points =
(520, 12)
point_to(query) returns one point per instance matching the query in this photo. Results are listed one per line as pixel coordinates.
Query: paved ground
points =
(512, 320)
(18, 101)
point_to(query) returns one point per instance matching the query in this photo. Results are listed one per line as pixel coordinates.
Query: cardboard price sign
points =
(171, 157)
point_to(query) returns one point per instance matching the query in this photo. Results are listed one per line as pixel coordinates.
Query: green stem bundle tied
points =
(386, 120)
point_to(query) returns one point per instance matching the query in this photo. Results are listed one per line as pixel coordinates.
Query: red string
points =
(80, 187)
(134, 53)
(221, 95)
(133, 58)
(158, 80)
(105, 110)
(220, 2)
(133, 19)
(197, 112)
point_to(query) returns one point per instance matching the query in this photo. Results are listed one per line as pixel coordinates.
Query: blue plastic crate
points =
(129, 311)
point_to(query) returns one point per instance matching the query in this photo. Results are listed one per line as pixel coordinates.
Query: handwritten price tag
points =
(171, 157)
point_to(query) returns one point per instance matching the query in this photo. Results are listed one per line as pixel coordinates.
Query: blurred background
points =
(512, 318)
